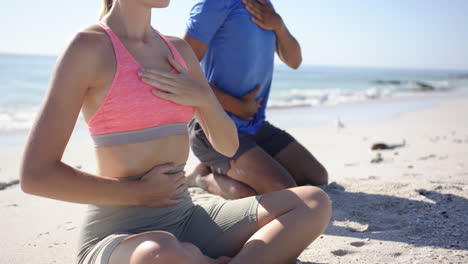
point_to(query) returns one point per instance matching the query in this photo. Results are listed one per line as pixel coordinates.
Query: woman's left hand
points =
(179, 88)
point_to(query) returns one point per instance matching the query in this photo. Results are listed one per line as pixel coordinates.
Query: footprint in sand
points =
(366, 228)
(43, 234)
(68, 226)
(371, 178)
(357, 244)
(386, 225)
(431, 156)
(341, 252)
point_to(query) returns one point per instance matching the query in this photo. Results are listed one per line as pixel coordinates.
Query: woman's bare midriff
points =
(138, 158)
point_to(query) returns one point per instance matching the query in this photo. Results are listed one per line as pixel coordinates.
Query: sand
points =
(411, 207)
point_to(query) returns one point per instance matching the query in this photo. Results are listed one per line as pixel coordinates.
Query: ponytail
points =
(106, 8)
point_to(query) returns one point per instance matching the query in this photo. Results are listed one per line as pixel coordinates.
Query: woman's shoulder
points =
(92, 38)
(185, 50)
(180, 44)
(88, 46)
(86, 55)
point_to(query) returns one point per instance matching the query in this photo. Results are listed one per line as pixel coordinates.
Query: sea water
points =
(24, 80)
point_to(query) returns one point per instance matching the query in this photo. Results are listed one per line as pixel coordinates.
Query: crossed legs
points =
(288, 221)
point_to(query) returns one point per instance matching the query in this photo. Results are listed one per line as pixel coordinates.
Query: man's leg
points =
(260, 171)
(218, 184)
(295, 158)
(254, 172)
(302, 165)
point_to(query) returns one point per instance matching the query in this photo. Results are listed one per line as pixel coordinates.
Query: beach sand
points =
(409, 208)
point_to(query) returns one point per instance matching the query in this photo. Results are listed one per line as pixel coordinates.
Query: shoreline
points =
(360, 112)
(309, 116)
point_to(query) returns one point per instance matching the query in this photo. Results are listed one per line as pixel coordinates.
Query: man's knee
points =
(322, 175)
(315, 175)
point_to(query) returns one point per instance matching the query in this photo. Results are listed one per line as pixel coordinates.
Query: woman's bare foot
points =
(194, 178)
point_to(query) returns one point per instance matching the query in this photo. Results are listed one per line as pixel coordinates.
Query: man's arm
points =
(288, 48)
(244, 107)
(197, 46)
(265, 16)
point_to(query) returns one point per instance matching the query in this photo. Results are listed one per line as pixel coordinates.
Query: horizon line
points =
(282, 64)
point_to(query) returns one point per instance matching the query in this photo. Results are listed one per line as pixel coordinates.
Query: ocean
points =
(24, 80)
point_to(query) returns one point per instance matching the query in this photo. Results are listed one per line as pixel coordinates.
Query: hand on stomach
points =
(152, 159)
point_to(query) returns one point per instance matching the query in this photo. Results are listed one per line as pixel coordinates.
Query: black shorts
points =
(269, 138)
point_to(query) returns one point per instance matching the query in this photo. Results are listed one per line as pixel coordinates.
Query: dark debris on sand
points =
(5, 185)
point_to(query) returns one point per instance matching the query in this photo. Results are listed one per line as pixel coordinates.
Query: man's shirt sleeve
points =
(206, 17)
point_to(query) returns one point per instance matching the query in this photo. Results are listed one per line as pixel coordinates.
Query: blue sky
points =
(370, 33)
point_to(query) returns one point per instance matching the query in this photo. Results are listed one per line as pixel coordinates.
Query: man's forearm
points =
(288, 47)
(227, 101)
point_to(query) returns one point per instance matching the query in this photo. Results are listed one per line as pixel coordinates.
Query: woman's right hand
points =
(157, 188)
(180, 88)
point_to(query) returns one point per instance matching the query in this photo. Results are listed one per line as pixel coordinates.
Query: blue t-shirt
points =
(240, 54)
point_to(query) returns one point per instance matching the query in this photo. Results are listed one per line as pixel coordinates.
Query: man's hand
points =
(264, 15)
(250, 105)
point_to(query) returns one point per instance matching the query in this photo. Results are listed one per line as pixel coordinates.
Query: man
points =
(235, 40)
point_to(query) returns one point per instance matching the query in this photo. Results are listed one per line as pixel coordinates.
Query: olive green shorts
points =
(216, 228)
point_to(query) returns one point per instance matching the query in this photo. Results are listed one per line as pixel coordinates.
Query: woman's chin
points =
(157, 3)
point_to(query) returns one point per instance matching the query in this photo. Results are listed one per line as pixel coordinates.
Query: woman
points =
(137, 90)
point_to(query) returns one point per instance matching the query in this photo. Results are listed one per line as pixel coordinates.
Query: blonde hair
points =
(106, 8)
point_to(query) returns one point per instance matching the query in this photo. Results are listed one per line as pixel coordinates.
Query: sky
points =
(423, 34)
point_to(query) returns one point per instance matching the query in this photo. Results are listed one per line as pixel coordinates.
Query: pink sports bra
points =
(130, 112)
